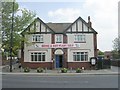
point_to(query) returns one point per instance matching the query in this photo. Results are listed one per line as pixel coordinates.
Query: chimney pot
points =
(89, 22)
(88, 18)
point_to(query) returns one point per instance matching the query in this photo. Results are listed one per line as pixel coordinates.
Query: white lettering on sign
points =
(74, 45)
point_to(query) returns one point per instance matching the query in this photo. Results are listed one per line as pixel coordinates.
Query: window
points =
(38, 56)
(79, 38)
(59, 38)
(80, 56)
(37, 38)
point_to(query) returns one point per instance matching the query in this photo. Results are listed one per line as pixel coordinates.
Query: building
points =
(58, 45)
(108, 54)
(119, 19)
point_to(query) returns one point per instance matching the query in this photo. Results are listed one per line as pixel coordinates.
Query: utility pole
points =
(11, 38)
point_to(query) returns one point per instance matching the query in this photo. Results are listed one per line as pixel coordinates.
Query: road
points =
(60, 81)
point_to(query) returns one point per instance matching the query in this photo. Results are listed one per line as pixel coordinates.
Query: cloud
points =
(64, 14)
(104, 17)
(105, 20)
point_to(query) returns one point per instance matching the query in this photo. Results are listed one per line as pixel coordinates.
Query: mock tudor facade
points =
(59, 45)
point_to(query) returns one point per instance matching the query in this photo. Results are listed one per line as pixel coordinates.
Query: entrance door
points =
(59, 61)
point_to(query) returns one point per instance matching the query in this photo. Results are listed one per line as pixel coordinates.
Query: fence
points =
(103, 64)
(115, 62)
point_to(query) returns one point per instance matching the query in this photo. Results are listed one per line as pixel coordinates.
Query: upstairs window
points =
(59, 38)
(80, 38)
(37, 38)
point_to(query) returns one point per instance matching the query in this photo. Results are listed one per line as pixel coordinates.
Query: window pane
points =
(35, 56)
(74, 57)
(32, 59)
(86, 56)
(37, 38)
(78, 57)
(79, 38)
(39, 57)
(43, 57)
(59, 38)
(82, 57)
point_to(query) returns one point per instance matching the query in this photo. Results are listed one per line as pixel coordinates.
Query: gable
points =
(38, 26)
(79, 26)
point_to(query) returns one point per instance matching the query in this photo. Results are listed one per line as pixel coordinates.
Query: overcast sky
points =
(103, 13)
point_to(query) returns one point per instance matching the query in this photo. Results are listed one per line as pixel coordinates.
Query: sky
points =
(103, 13)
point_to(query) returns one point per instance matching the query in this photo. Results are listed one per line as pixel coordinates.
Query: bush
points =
(40, 70)
(26, 69)
(64, 70)
(78, 70)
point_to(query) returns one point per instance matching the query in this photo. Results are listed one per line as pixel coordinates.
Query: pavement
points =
(113, 71)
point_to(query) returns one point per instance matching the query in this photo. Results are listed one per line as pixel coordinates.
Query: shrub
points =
(26, 69)
(64, 70)
(78, 70)
(40, 70)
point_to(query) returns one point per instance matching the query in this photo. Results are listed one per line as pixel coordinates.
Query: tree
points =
(20, 23)
(100, 53)
(116, 48)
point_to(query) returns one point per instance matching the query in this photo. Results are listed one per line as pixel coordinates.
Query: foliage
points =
(116, 44)
(100, 53)
(116, 48)
(26, 69)
(22, 18)
(78, 70)
(115, 54)
(64, 70)
(40, 70)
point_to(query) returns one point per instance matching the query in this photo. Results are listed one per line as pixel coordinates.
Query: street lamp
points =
(11, 38)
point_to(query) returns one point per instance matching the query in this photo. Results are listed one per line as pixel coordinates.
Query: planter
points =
(26, 69)
(40, 70)
(64, 70)
(78, 70)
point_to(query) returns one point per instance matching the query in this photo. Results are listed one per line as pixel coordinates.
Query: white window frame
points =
(59, 38)
(79, 38)
(77, 56)
(40, 56)
(37, 38)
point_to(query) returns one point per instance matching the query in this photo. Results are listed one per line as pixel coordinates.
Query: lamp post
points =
(11, 37)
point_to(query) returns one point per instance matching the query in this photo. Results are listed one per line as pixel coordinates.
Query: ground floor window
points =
(38, 56)
(80, 56)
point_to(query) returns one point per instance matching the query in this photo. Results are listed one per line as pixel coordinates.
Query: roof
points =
(58, 27)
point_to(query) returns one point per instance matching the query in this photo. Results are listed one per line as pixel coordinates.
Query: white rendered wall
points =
(31, 48)
(84, 47)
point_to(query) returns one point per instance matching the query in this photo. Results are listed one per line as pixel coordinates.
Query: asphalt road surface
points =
(60, 81)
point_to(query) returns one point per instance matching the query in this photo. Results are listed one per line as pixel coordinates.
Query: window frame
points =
(37, 56)
(38, 38)
(58, 38)
(79, 38)
(77, 56)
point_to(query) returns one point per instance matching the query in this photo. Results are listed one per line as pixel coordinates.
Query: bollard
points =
(58, 70)
(20, 69)
(83, 68)
(46, 70)
(70, 69)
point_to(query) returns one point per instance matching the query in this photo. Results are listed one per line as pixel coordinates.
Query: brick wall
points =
(35, 65)
(76, 65)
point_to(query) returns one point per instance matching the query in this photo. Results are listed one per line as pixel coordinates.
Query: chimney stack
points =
(89, 22)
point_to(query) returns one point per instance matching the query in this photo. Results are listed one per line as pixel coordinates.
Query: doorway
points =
(59, 61)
